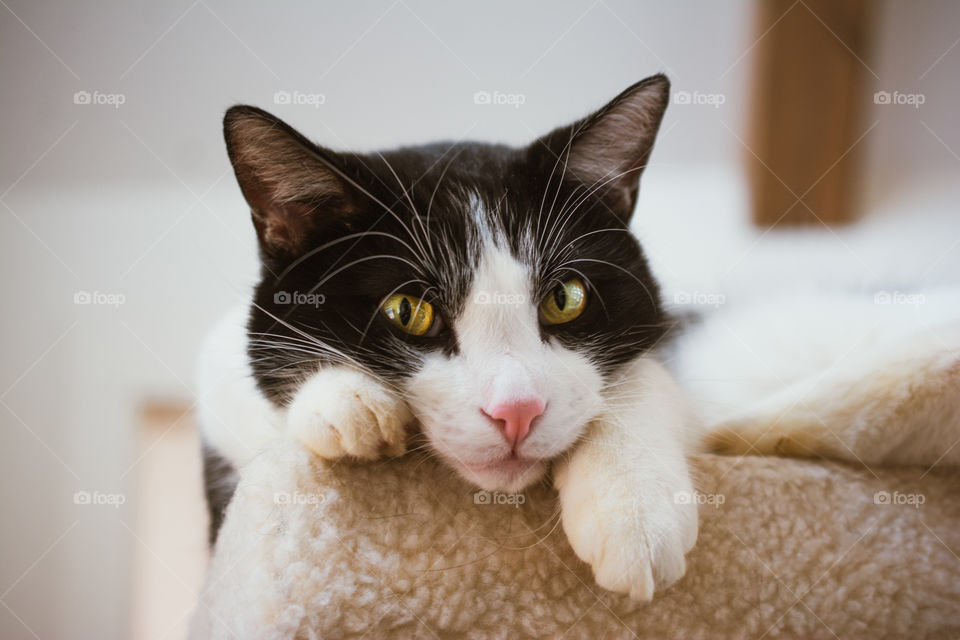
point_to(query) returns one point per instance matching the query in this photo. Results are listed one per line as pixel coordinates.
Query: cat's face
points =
(496, 289)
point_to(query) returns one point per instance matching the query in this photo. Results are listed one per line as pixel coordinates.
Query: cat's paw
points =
(341, 412)
(633, 537)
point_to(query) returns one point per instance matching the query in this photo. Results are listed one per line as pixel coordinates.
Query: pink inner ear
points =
(285, 179)
(284, 225)
(616, 142)
(619, 142)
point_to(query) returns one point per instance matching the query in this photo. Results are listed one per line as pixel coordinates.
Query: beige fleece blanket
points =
(402, 548)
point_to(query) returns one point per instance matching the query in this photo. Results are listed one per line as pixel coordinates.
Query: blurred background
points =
(123, 236)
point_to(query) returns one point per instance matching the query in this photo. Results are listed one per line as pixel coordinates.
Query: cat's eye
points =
(564, 303)
(413, 315)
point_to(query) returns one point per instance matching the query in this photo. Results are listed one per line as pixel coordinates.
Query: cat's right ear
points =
(293, 186)
(608, 150)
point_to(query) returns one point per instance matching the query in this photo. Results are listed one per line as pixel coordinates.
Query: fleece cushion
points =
(402, 548)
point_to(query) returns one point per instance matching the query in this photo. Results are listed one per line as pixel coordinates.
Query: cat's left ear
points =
(294, 187)
(609, 149)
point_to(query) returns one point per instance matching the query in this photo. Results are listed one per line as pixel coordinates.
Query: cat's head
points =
(497, 289)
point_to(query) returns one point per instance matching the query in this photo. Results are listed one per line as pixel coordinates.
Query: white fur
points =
(502, 356)
(340, 411)
(235, 419)
(625, 491)
(616, 487)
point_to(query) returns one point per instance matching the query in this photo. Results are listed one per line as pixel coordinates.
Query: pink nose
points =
(514, 418)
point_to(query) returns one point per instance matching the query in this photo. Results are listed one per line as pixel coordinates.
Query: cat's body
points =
(494, 301)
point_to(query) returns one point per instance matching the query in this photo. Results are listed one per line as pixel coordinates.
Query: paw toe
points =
(624, 575)
(323, 440)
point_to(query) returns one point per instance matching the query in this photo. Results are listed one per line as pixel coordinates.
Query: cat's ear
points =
(609, 149)
(293, 186)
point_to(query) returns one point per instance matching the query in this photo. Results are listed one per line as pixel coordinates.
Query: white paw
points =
(341, 412)
(633, 536)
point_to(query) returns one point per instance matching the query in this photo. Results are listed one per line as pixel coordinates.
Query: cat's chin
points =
(511, 475)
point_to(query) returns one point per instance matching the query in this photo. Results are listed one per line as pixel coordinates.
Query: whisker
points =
(413, 207)
(384, 256)
(327, 245)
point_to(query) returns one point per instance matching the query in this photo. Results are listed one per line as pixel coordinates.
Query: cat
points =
(494, 301)
(489, 297)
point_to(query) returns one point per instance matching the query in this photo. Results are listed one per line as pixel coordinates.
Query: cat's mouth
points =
(511, 462)
(510, 473)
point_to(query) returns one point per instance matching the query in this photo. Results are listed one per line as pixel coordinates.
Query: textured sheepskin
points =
(401, 549)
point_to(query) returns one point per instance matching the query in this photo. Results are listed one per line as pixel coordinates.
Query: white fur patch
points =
(502, 357)
(235, 417)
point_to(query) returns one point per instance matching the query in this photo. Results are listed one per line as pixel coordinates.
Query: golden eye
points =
(413, 315)
(564, 303)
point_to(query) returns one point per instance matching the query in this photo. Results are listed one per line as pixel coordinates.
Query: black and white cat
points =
(494, 300)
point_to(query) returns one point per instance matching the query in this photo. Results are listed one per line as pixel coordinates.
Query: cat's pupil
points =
(560, 297)
(405, 311)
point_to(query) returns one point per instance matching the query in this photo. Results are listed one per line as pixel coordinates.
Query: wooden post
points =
(808, 100)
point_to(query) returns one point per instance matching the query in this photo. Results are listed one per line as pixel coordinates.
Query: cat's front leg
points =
(342, 412)
(625, 491)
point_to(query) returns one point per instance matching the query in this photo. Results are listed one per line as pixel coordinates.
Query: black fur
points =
(355, 228)
(219, 481)
(385, 198)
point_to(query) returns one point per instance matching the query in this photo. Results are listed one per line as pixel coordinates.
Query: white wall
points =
(139, 201)
(391, 72)
(917, 51)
